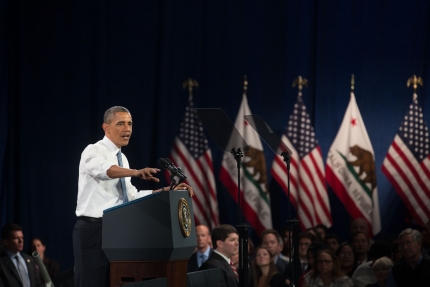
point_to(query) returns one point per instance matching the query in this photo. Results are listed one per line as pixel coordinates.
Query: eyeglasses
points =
(324, 262)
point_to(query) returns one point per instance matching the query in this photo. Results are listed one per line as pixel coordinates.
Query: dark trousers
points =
(91, 264)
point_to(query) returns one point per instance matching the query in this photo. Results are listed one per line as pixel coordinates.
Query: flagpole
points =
(242, 227)
(300, 82)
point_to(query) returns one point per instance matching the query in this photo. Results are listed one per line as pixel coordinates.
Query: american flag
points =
(307, 178)
(407, 164)
(191, 152)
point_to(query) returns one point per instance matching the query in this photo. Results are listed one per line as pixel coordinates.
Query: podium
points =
(151, 237)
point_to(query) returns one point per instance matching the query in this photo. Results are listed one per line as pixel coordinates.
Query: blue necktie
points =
(123, 186)
(202, 259)
(22, 274)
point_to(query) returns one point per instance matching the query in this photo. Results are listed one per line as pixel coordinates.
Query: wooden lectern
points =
(151, 237)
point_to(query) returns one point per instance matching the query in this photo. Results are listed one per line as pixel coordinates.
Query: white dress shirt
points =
(97, 191)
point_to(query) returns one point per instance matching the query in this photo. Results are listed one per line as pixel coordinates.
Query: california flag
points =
(254, 192)
(350, 169)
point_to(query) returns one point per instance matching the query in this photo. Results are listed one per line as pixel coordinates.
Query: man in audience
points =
(332, 242)
(364, 273)
(359, 225)
(225, 241)
(321, 231)
(16, 268)
(271, 240)
(361, 244)
(203, 248)
(410, 271)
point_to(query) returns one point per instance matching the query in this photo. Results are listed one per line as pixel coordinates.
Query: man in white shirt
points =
(104, 182)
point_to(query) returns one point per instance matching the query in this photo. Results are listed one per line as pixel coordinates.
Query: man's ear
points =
(105, 127)
(219, 243)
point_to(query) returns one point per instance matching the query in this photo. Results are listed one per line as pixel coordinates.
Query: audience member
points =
(347, 261)
(327, 272)
(321, 231)
(411, 270)
(52, 266)
(312, 254)
(305, 240)
(332, 242)
(264, 271)
(397, 254)
(17, 269)
(381, 268)
(359, 225)
(203, 250)
(287, 236)
(272, 241)
(225, 241)
(364, 274)
(360, 243)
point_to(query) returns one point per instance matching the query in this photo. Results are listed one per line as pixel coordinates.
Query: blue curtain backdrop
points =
(63, 63)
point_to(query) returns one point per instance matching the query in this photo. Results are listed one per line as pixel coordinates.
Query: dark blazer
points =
(277, 280)
(228, 278)
(9, 275)
(192, 262)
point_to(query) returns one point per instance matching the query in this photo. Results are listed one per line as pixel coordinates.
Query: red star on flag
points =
(353, 122)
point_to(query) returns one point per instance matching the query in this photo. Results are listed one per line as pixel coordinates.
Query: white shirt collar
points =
(223, 256)
(110, 145)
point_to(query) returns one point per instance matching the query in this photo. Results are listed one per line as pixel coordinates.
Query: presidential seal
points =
(184, 217)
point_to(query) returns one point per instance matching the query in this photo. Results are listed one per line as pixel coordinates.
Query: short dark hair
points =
(8, 228)
(107, 118)
(308, 235)
(274, 232)
(331, 236)
(221, 232)
(380, 249)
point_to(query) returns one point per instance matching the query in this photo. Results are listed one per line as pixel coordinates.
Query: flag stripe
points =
(402, 164)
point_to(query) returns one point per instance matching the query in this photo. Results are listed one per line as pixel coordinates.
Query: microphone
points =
(176, 171)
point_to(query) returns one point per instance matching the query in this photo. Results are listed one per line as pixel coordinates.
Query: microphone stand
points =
(242, 228)
(294, 223)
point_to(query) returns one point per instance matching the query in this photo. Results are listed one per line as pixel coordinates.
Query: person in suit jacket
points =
(16, 269)
(272, 241)
(225, 241)
(203, 250)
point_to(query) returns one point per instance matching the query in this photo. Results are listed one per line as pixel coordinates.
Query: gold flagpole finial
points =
(245, 84)
(300, 83)
(414, 81)
(352, 83)
(190, 83)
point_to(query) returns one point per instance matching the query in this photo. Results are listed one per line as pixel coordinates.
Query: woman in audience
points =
(381, 267)
(52, 266)
(311, 255)
(327, 272)
(264, 270)
(347, 261)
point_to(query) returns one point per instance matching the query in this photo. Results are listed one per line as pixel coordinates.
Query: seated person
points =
(52, 266)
